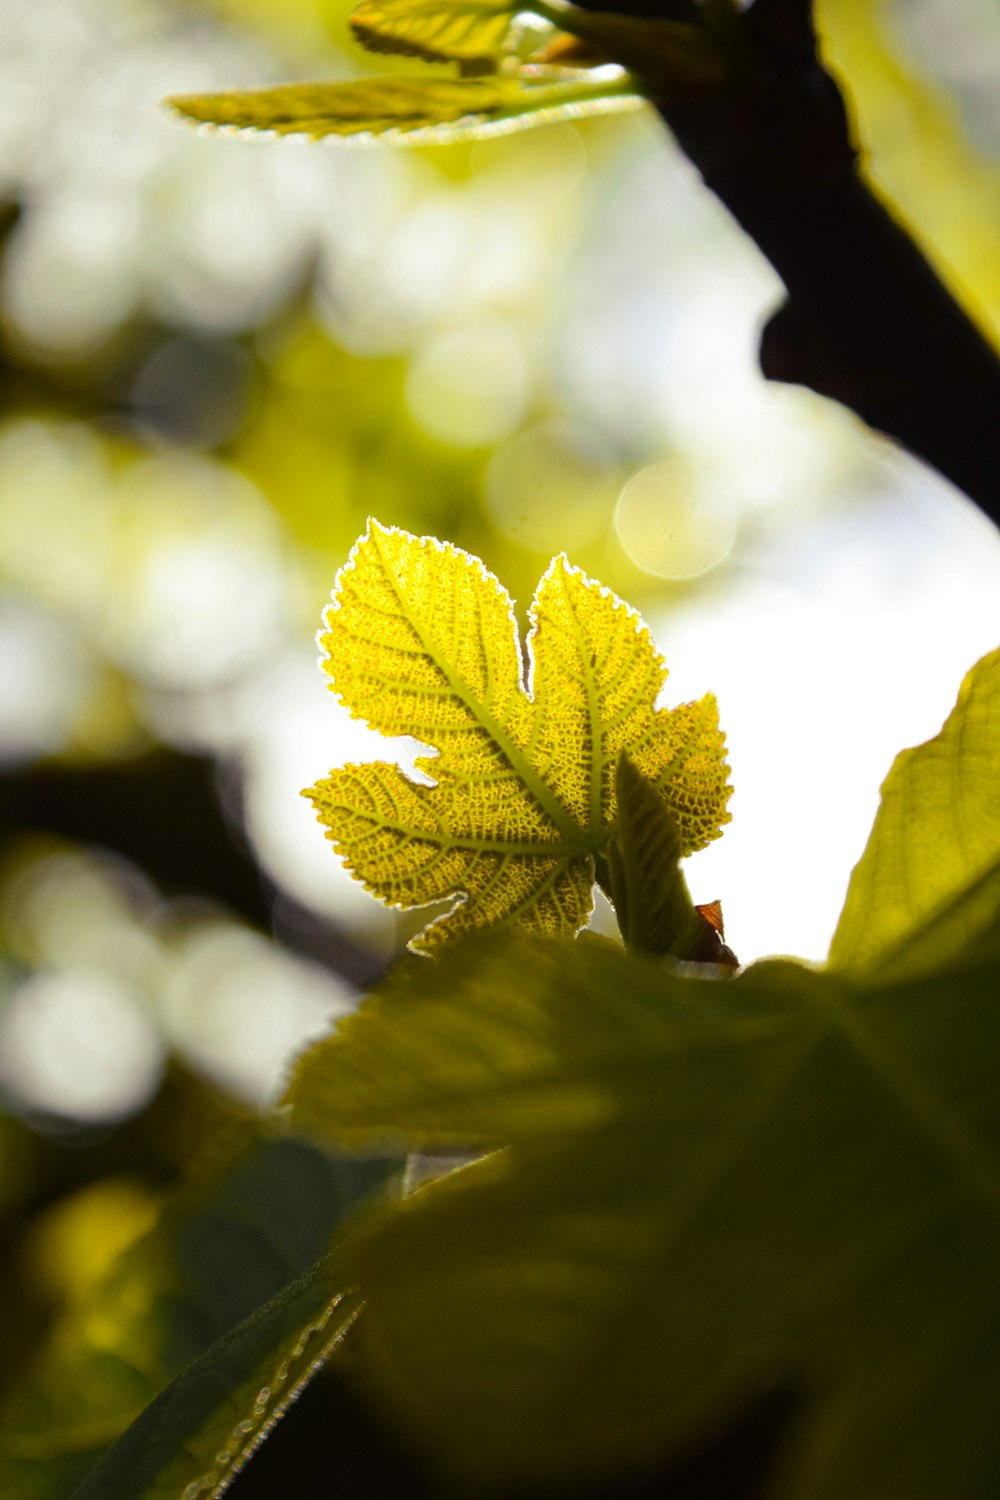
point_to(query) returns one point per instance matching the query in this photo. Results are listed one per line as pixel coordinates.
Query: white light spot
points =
(78, 1045)
(673, 522)
(544, 493)
(240, 1008)
(469, 387)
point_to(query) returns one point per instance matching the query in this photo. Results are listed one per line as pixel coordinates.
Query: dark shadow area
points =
(329, 1444)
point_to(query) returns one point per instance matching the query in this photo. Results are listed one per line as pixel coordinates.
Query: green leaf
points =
(200, 1432)
(709, 1186)
(435, 30)
(499, 1040)
(409, 111)
(421, 640)
(223, 1247)
(926, 892)
(652, 903)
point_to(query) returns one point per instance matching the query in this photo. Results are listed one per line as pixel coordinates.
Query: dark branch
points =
(867, 321)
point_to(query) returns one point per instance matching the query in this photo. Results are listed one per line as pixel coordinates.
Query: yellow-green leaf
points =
(927, 888)
(412, 111)
(421, 640)
(435, 30)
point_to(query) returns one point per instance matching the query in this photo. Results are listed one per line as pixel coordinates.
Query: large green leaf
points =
(411, 111)
(227, 1244)
(707, 1186)
(926, 891)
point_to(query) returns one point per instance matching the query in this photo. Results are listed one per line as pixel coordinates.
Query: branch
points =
(866, 321)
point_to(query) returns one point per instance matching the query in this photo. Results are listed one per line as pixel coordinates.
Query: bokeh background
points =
(218, 357)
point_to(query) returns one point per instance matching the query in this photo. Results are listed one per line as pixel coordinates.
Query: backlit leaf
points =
(435, 30)
(708, 1187)
(412, 111)
(652, 903)
(927, 888)
(421, 640)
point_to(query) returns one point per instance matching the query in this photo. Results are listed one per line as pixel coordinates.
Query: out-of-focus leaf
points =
(435, 30)
(421, 640)
(505, 1039)
(223, 1247)
(710, 1186)
(197, 1435)
(926, 891)
(412, 111)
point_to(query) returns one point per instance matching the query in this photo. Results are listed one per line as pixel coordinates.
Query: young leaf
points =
(926, 891)
(223, 1246)
(421, 640)
(410, 111)
(709, 1187)
(435, 30)
(652, 903)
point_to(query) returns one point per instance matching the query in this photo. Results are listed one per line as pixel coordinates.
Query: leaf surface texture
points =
(413, 111)
(421, 640)
(435, 30)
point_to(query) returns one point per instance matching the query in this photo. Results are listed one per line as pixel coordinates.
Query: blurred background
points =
(218, 357)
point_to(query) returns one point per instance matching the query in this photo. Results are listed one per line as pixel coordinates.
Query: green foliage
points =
(412, 110)
(435, 30)
(706, 1188)
(927, 891)
(666, 59)
(421, 640)
(690, 1190)
(198, 1434)
(225, 1246)
(696, 1190)
(693, 1188)
(644, 880)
